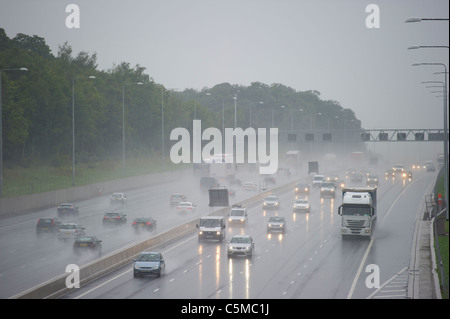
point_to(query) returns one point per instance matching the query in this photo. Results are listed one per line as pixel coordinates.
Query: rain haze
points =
(77, 151)
(326, 46)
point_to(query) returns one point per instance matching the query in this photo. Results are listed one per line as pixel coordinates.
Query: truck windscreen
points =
(355, 210)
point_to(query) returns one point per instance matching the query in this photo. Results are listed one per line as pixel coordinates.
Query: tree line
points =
(37, 106)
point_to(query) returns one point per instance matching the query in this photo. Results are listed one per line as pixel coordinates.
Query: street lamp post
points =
(73, 125)
(445, 131)
(235, 99)
(1, 127)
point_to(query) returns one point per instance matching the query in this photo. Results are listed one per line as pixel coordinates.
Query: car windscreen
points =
(240, 240)
(210, 222)
(148, 257)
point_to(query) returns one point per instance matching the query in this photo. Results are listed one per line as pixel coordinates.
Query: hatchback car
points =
(144, 223)
(87, 243)
(47, 225)
(67, 210)
(70, 231)
(120, 198)
(301, 205)
(114, 218)
(271, 202)
(276, 223)
(149, 263)
(241, 245)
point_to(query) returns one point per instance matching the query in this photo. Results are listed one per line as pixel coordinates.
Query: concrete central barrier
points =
(57, 287)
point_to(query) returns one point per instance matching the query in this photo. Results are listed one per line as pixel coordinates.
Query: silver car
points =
(149, 263)
(271, 202)
(70, 231)
(301, 205)
(276, 223)
(241, 245)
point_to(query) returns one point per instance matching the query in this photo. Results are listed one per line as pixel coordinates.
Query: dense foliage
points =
(37, 106)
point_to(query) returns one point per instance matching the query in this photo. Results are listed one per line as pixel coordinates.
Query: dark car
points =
(67, 210)
(144, 223)
(47, 225)
(114, 218)
(149, 263)
(270, 180)
(87, 243)
(430, 166)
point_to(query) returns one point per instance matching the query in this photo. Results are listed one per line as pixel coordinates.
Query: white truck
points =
(358, 211)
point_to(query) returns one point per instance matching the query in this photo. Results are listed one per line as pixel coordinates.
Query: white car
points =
(271, 202)
(185, 207)
(302, 205)
(70, 231)
(241, 245)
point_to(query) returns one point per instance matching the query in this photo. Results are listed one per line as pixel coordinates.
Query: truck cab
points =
(358, 211)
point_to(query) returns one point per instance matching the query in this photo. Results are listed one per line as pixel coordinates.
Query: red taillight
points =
(149, 223)
(134, 223)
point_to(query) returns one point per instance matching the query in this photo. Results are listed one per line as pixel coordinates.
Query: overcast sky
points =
(322, 45)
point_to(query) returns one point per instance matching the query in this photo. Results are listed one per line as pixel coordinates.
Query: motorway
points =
(28, 260)
(310, 260)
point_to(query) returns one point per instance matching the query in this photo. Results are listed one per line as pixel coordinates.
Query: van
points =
(317, 180)
(211, 227)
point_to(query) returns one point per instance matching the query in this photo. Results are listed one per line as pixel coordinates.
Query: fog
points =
(322, 45)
